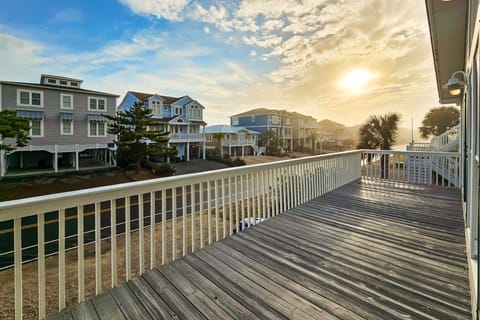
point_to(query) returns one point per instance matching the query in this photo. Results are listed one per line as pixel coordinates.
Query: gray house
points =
(67, 129)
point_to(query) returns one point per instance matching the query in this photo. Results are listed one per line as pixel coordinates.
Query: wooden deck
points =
(363, 251)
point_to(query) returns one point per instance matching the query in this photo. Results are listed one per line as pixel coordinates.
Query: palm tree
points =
(379, 132)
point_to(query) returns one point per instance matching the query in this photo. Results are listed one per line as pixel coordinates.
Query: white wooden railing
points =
(419, 146)
(105, 235)
(52, 148)
(236, 142)
(438, 168)
(186, 137)
(447, 141)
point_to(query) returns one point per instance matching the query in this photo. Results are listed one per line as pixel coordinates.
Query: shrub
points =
(162, 169)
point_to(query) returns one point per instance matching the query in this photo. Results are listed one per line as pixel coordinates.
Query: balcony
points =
(185, 137)
(239, 142)
(360, 234)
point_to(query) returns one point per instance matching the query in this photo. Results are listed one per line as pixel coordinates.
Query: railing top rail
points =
(28, 206)
(431, 153)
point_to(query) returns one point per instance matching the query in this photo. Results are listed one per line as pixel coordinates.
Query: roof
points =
(263, 111)
(330, 123)
(225, 128)
(448, 29)
(54, 87)
(142, 96)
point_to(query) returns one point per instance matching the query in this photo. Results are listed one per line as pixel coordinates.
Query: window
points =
(288, 121)
(178, 110)
(29, 98)
(66, 101)
(252, 118)
(74, 84)
(36, 128)
(156, 106)
(52, 81)
(209, 137)
(234, 121)
(66, 127)
(96, 129)
(63, 82)
(275, 120)
(96, 104)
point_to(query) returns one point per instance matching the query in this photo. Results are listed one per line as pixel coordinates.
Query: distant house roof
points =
(263, 111)
(330, 123)
(225, 128)
(142, 96)
(54, 87)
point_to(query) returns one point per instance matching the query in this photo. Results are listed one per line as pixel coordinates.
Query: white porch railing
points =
(52, 148)
(447, 141)
(439, 168)
(80, 243)
(235, 143)
(186, 137)
(419, 146)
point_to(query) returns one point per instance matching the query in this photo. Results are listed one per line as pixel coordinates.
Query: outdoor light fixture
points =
(456, 85)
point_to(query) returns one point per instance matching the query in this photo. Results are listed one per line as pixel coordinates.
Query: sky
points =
(341, 60)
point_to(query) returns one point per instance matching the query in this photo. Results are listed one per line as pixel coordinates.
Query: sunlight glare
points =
(355, 79)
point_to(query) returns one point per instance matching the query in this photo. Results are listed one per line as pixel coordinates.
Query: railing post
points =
(41, 265)
(17, 248)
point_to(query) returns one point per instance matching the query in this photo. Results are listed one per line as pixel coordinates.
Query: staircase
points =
(421, 168)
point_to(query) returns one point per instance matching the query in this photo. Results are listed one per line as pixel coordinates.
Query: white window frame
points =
(30, 130)
(235, 121)
(29, 104)
(61, 101)
(97, 135)
(97, 99)
(61, 127)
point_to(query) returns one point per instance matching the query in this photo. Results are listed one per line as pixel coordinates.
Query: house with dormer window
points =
(67, 129)
(182, 117)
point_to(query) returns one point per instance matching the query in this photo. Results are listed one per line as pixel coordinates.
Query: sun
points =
(355, 79)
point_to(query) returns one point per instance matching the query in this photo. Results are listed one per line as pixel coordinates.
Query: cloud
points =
(167, 9)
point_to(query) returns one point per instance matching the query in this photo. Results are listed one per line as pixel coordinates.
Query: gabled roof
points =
(55, 87)
(144, 96)
(225, 128)
(330, 123)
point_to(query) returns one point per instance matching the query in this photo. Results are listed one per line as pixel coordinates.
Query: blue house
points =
(182, 117)
(263, 120)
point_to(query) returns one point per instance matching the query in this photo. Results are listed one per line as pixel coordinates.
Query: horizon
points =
(336, 60)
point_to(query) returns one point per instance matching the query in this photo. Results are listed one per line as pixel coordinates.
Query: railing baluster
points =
(217, 211)
(201, 190)
(98, 250)
(262, 183)
(141, 233)
(61, 259)
(249, 212)
(209, 212)
(17, 248)
(128, 252)
(41, 265)
(230, 209)
(224, 213)
(152, 230)
(164, 226)
(174, 223)
(242, 197)
(253, 194)
(184, 221)
(80, 253)
(113, 241)
(236, 205)
(192, 213)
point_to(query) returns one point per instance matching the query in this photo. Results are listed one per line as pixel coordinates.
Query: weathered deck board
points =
(364, 251)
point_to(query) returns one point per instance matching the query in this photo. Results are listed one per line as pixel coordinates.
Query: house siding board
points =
(51, 111)
(127, 102)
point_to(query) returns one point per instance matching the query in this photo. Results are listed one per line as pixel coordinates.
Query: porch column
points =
(230, 150)
(168, 157)
(106, 156)
(243, 151)
(21, 159)
(2, 163)
(55, 160)
(188, 151)
(77, 166)
(204, 157)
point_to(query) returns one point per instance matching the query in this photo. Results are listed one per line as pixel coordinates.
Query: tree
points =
(272, 142)
(134, 140)
(379, 132)
(14, 127)
(438, 120)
